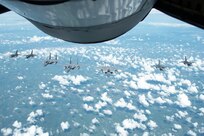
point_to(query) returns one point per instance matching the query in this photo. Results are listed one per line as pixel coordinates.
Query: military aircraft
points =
(159, 66)
(50, 60)
(186, 62)
(14, 55)
(30, 55)
(108, 70)
(92, 21)
(71, 66)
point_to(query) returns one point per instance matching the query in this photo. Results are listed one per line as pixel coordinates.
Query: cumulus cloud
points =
(34, 115)
(141, 117)
(120, 130)
(95, 121)
(106, 98)
(47, 95)
(88, 107)
(6, 131)
(17, 124)
(183, 100)
(143, 101)
(177, 126)
(152, 125)
(122, 104)
(65, 80)
(201, 97)
(88, 98)
(65, 125)
(100, 105)
(107, 112)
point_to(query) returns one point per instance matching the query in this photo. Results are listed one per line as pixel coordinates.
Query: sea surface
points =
(137, 100)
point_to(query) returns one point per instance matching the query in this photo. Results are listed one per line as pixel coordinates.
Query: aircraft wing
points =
(190, 11)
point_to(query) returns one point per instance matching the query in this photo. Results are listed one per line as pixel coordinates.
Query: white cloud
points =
(61, 79)
(88, 98)
(100, 105)
(17, 124)
(42, 85)
(95, 121)
(142, 100)
(122, 104)
(165, 24)
(6, 131)
(183, 100)
(20, 77)
(65, 125)
(106, 98)
(201, 97)
(88, 108)
(120, 130)
(33, 115)
(141, 117)
(107, 112)
(152, 125)
(65, 80)
(130, 124)
(177, 126)
(47, 95)
(191, 133)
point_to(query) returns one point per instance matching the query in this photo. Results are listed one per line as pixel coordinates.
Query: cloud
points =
(88, 108)
(65, 80)
(165, 24)
(61, 79)
(17, 124)
(177, 126)
(152, 125)
(143, 101)
(6, 131)
(107, 112)
(47, 95)
(130, 124)
(201, 97)
(88, 98)
(105, 98)
(183, 100)
(65, 125)
(141, 117)
(120, 130)
(34, 115)
(122, 104)
(95, 121)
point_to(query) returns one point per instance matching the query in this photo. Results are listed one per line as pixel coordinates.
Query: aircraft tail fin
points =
(50, 56)
(70, 60)
(185, 58)
(31, 52)
(56, 57)
(16, 52)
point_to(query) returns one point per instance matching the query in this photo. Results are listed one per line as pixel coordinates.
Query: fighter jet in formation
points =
(51, 61)
(31, 55)
(159, 66)
(108, 70)
(186, 62)
(14, 55)
(71, 66)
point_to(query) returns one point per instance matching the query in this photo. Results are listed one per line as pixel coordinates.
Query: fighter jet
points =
(159, 66)
(30, 55)
(14, 55)
(186, 62)
(50, 60)
(108, 70)
(71, 66)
